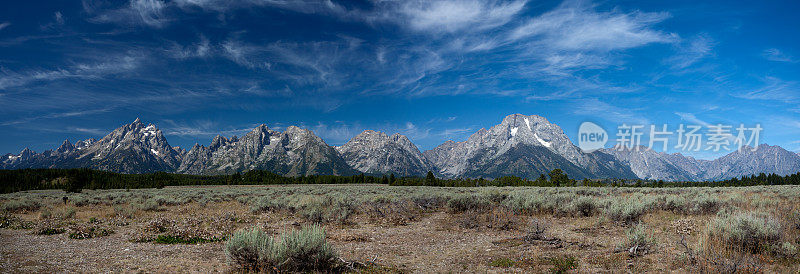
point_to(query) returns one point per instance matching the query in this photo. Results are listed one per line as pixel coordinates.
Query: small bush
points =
(124, 211)
(304, 250)
(46, 213)
(247, 248)
(788, 249)
(467, 202)
(536, 230)
(87, 232)
(49, 229)
(150, 205)
(502, 262)
(563, 264)
(14, 222)
(65, 213)
(21, 205)
(627, 212)
(584, 206)
(638, 241)
(750, 232)
(173, 239)
(704, 204)
(301, 250)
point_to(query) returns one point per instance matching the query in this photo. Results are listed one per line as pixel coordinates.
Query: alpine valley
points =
(523, 146)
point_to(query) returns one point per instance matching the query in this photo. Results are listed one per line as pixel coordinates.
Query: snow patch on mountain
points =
(543, 142)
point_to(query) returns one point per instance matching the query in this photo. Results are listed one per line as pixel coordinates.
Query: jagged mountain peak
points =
(26, 153)
(66, 147)
(519, 144)
(523, 145)
(374, 152)
(82, 144)
(293, 152)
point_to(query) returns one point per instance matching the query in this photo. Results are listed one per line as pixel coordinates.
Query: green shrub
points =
(502, 262)
(263, 204)
(247, 248)
(468, 202)
(704, 204)
(124, 211)
(300, 250)
(750, 232)
(563, 264)
(585, 206)
(150, 205)
(21, 205)
(173, 239)
(304, 250)
(638, 241)
(66, 213)
(627, 212)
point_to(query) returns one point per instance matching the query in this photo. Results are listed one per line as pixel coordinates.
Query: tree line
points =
(74, 180)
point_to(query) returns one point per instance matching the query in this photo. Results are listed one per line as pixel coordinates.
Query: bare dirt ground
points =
(433, 242)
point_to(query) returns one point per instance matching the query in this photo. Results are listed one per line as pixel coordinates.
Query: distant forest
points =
(74, 180)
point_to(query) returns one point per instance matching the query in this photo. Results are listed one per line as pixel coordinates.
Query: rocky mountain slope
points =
(524, 146)
(520, 145)
(293, 152)
(374, 152)
(648, 164)
(132, 148)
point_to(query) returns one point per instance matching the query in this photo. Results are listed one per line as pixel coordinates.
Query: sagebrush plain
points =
(379, 228)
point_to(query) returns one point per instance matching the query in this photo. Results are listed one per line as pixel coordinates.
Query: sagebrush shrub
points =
(246, 246)
(300, 250)
(149, 205)
(467, 202)
(585, 206)
(21, 205)
(627, 212)
(750, 232)
(638, 241)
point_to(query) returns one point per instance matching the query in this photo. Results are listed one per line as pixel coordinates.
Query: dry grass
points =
(427, 229)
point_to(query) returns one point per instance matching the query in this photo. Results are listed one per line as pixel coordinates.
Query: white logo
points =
(591, 137)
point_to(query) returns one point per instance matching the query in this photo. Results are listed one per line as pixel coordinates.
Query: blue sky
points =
(433, 71)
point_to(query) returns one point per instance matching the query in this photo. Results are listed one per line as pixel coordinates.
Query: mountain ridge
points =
(520, 145)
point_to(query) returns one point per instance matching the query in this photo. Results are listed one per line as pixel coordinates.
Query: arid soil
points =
(433, 241)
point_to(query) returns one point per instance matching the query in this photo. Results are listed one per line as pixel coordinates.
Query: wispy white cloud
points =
(117, 64)
(4, 25)
(92, 131)
(138, 12)
(54, 115)
(58, 17)
(777, 55)
(691, 118)
(775, 89)
(203, 128)
(456, 132)
(690, 53)
(201, 49)
(575, 25)
(602, 110)
(450, 16)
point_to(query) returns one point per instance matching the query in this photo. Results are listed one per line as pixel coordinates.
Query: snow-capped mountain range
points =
(524, 146)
